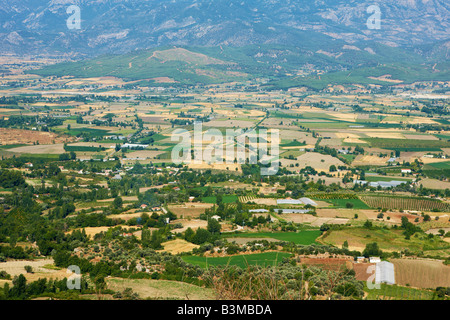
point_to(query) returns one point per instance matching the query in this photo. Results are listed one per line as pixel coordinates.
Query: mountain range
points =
(290, 42)
(121, 26)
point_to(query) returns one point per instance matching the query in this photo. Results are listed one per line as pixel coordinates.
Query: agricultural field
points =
(305, 237)
(421, 273)
(225, 199)
(387, 239)
(192, 210)
(242, 261)
(348, 203)
(161, 289)
(405, 203)
(388, 292)
(89, 175)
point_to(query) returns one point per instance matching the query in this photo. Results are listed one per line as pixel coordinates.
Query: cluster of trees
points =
(61, 212)
(13, 252)
(372, 250)
(22, 290)
(67, 156)
(153, 239)
(11, 179)
(409, 228)
(202, 236)
(27, 121)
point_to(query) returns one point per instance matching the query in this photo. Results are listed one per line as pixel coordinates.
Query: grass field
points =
(349, 157)
(388, 179)
(225, 199)
(83, 149)
(91, 132)
(393, 292)
(305, 237)
(242, 261)
(440, 165)
(342, 203)
(407, 144)
(161, 289)
(388, 240)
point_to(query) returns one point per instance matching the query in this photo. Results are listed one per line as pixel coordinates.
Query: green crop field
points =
(242, 261)
(342, 203)
(225, 199)
(92, 132)
(305, 237)
(349, 157)
(394, 292)
(11, 146)
(83, 149)
(293, 143)
(387, 239)
(440, 165)
(407, 144)
(381, 178)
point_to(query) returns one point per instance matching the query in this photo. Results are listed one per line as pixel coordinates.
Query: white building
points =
(374, 260)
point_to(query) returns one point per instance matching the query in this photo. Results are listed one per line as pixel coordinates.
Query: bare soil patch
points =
(161, 289)
(178, 246)
(17, 136)
(421, 273)
(193, 224)
(193, 210)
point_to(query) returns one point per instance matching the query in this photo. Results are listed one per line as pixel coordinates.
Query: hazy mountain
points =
(120, 26)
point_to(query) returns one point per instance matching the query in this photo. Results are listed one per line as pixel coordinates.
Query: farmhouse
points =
(406, 170)
(374, 259)
(126, 235)
(360, 259)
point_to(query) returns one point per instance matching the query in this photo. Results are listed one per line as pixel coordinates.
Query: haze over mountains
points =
(120, 26)
(221, 41)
